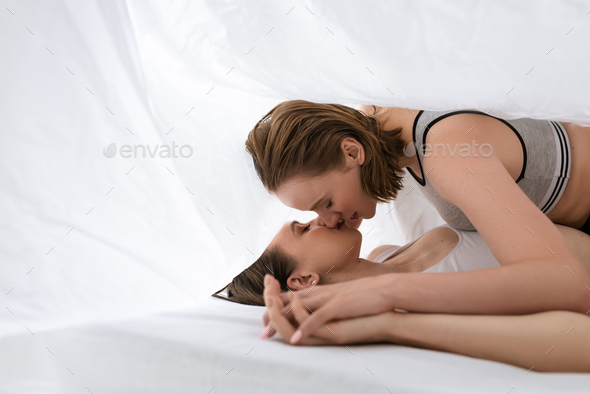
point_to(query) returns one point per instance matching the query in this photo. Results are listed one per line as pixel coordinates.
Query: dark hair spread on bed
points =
(248, 286)
(299, 137)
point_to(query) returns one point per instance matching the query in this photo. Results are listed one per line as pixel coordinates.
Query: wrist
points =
(397, 328)
(388, 288)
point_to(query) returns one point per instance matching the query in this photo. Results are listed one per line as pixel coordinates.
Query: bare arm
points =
(522, 288)
(555, 341)
(539, 272)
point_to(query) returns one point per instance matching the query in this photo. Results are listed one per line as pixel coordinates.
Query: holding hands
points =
(366, 329)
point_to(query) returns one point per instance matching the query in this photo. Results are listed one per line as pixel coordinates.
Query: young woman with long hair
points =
(305, 256)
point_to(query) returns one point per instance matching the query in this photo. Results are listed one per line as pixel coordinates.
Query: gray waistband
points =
(562, 169)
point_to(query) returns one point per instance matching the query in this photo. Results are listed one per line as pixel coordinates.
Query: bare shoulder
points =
(378, 250)
(368, 109)
(384, 112)
(479, 129)
(436, 238)
(383, 115)
(442, 234)
(430, 240)
(467, 136)
(467, 126)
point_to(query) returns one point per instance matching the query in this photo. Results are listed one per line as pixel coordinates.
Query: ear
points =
(353, 149)
(298, 281)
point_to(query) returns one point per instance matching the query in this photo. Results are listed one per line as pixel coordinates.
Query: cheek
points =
(352, 204)
(360, 195)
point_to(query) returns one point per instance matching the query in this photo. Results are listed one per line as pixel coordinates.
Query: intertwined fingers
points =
(299, 311)
(272, 289)
(293, 309)
(284, 326)
(278, 319)
(296, 314)
(286, 308)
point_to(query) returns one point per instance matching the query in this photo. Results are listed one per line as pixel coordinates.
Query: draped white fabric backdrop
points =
(87, 238)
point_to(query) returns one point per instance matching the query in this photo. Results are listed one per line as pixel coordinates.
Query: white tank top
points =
(470, 253)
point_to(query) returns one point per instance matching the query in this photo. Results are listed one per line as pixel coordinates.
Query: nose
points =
(319, 221)
(331, 221)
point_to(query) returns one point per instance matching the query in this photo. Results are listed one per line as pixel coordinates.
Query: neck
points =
(362, 269)
(404, 118)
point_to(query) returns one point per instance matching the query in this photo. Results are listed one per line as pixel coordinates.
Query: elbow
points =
(583, 296)
(579, 285)
(585, 300)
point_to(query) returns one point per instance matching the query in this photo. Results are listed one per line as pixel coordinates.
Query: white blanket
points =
(215, 347)
(88, 238)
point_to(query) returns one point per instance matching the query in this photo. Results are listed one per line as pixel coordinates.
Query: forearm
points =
(522, 288)
(544, 340)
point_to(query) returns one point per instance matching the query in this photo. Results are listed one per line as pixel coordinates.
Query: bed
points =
(214, 347)
(111, 248)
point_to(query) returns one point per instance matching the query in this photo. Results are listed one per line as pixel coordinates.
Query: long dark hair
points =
(248, 287)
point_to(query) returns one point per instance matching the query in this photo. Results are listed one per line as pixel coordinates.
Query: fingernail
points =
(296, 337)
(265, 331)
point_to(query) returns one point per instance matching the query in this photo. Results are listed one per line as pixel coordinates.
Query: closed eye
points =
(307, 228)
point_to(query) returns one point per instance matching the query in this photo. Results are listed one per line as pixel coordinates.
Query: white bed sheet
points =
(215, 348)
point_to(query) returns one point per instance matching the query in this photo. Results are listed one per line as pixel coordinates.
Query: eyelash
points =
(307, 228)
(329, 205)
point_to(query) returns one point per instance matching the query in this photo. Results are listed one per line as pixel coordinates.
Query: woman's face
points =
(336, 195)
(332, 254)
